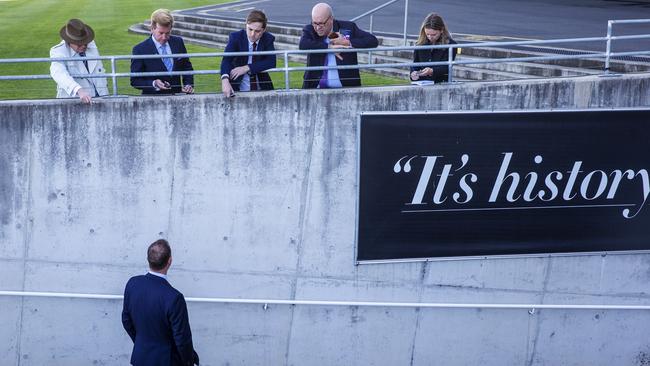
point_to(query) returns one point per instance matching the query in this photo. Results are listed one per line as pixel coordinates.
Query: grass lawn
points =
(30, 28)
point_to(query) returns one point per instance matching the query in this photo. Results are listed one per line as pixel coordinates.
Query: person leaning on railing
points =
(163, 43)
(326, 32)
(247, 73)
(432, 32)
(77, 41)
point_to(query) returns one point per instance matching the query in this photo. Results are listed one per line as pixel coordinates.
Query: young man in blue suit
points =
(163, 43)
(155, 315)
(246, 73)
(326, 32)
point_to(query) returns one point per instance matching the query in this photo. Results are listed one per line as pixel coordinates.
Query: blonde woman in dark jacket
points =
(432, 32)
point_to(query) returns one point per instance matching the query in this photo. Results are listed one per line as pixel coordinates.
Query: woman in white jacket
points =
(77, 41)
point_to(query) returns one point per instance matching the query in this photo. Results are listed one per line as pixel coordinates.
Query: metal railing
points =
(530, 307)
(372, 12)
(610, 38)
(286, 69)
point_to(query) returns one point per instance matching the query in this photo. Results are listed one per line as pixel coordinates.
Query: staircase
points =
(213, 33)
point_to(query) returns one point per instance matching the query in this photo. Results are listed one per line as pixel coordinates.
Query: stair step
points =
(237, 24)
(529, 68)
(473, 73)
(205, 31)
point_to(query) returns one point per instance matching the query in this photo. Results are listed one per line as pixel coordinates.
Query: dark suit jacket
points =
(310, 41)
(440, 72)
(238, 42)
(155, 317)
(147, 47)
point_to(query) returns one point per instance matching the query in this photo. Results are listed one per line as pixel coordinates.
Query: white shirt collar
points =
(250, 44)
(157, 274)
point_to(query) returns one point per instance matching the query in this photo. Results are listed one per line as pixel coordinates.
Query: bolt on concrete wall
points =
(257, 197)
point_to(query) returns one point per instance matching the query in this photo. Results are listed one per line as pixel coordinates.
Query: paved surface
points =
(491, 19)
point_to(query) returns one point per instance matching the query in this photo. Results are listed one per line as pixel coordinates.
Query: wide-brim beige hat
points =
(75, 31)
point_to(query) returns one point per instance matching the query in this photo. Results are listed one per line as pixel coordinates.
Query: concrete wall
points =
(257, 197)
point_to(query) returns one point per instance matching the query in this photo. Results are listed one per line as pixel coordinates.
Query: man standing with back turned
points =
(155, 315)
(326, 32)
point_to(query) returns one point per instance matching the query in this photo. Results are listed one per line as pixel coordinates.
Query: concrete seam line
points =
(340, 303)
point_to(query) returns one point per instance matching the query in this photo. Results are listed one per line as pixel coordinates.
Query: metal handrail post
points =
(114, 78)
(609, 46)
(286, 71)
(374, 10)
(450, 62)
(370, 30)
(406, 16)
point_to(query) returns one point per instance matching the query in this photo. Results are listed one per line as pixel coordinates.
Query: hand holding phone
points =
(164, 85)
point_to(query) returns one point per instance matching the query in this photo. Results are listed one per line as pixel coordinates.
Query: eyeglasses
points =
(316, 24)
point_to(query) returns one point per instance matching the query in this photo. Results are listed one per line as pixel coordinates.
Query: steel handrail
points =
(340, 303)
(330, 50)
(338, 67)
(371, 12)
(610, 38)
(324, 50)
(286, 53)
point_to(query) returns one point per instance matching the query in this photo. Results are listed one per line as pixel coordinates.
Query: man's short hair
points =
(158, 254)
(162, 17)
(257, 16)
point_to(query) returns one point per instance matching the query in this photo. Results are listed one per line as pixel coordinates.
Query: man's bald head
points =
(322, 9)
(322, 18)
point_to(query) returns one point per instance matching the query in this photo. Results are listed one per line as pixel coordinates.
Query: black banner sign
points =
(503, 183)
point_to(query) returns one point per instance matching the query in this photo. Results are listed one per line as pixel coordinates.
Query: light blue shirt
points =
(333, 80)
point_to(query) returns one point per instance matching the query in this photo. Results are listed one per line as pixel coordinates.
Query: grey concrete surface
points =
(484, 19)
(257, 196)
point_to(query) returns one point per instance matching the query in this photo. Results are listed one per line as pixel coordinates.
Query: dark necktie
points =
(96, 92)
(254, 83)
(83, 54)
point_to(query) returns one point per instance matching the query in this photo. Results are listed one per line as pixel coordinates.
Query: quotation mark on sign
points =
(397, 168)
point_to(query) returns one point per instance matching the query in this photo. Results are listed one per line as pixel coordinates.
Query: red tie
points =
(254, 84)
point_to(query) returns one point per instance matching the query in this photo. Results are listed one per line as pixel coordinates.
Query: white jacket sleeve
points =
(60, 74)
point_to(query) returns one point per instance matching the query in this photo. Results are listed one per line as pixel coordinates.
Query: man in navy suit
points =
(327, 32)
(246, 73)
(155, 315)
(163, 43)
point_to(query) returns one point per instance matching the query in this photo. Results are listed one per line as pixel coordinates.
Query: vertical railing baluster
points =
(114, 78)
(609, 46)
(450, 62)
(286, 70)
